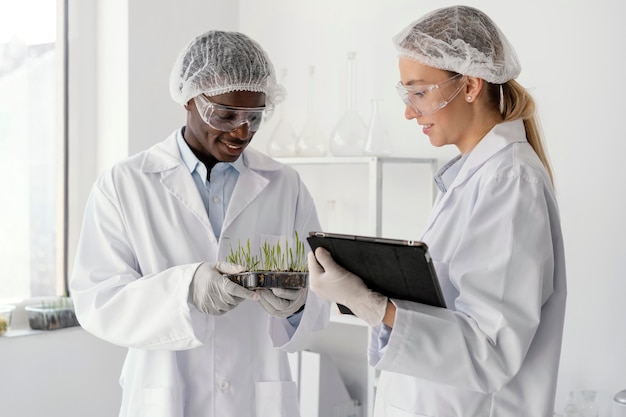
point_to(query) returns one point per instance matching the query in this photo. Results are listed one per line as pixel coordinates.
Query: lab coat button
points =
(224, 385)
(216, 199)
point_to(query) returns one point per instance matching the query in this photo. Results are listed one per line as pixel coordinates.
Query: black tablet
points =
(396, 268)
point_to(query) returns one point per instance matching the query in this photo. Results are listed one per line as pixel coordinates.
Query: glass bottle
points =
(348, 136)
(588, 406)
(312, 141)
(618, 407)
(378, 140)
(571, 410)
(283, 137)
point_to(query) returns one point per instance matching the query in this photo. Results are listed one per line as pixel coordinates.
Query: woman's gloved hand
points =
(213, 293)
(282, 302)
(332, 282)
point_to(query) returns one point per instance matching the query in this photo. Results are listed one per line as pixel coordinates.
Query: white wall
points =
(64, 372)
(571, 60)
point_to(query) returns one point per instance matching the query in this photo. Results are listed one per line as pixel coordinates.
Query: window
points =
(32, 148)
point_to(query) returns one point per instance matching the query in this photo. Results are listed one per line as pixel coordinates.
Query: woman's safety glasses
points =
(228, 118)
(429, 99)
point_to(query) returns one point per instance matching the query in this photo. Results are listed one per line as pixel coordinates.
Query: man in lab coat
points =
(158, 226)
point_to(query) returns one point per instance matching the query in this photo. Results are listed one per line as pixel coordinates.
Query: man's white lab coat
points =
(145, 233)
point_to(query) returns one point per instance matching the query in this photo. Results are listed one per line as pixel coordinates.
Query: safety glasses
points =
(429, 99)
(228, 118)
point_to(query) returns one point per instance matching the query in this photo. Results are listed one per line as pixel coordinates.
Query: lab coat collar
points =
(498, 138)
(165, 158)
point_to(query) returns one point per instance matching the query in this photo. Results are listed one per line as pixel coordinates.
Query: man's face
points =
(228, 144)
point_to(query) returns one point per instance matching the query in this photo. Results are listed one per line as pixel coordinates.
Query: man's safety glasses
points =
(429, 99)
(228, 118)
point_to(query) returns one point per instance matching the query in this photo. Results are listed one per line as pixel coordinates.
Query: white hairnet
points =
(460, 39)
(218, 62)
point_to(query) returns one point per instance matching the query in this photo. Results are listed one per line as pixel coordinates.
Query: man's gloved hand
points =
(282, 302)
(213, 293)
(332, 282)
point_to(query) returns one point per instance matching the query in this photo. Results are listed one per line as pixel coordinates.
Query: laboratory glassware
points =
(283, 137)
(378, 140)
(348, 136)
(571, 410)
(312, 141)
(588, 406)
(618, 408)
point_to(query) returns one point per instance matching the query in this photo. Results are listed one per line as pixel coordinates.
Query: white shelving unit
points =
(380, 179)
(364, 195)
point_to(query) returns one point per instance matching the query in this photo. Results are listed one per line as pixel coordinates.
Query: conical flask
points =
(282, 141)
(378, 140)
(348, 136)
(312, 141)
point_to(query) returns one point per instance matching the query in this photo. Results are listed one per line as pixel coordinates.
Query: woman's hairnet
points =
(218, 62)
(460, 39)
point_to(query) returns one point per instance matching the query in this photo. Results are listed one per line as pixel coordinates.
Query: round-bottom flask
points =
(571, 410)
(588, 406)
(312, 141)
(348, 136)
(378, 140)
(282, 141)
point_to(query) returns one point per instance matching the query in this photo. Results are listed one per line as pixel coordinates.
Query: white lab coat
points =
(496, 243)
(144, 234)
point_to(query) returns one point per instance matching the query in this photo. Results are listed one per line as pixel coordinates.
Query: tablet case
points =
(400, 269)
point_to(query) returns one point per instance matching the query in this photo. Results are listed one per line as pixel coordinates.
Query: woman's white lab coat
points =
(144, 234)
(496, 243)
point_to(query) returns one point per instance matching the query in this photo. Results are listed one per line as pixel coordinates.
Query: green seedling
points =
(278, 258)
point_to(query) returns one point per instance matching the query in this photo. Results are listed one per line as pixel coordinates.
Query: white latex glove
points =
(332, 282)
(213, 293)
(282, 302)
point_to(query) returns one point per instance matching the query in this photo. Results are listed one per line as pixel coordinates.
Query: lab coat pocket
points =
(161, 402)
(277, 399)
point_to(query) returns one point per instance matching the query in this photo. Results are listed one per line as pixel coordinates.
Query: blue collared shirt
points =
(217, 193)
(447, 173)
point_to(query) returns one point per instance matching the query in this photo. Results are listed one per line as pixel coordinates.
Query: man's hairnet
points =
(460, 39)
(218, 62)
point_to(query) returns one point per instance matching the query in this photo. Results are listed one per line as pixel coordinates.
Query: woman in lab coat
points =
(494, 236)
(157, 229)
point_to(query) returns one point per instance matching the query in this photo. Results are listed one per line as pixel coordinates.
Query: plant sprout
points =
(276, 257)
(61, 303)
(4, 325)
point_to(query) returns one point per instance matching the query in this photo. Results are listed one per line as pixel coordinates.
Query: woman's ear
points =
(187, 105)
(473, 88)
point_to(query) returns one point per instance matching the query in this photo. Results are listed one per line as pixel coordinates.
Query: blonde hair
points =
(517, 103)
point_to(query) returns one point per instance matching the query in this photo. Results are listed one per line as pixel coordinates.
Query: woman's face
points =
(449, 124)
(223, 146)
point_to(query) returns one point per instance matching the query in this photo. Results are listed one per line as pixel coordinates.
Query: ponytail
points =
(517, 103)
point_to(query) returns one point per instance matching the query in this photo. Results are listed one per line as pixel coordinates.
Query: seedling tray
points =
(50, 318)
(270, 279)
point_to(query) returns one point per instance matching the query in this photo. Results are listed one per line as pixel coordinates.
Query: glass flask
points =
(588, 406)
(283, 138)
(571, 410)
(378, 139)
(618, 407)
(312, 141)
(348, 136)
